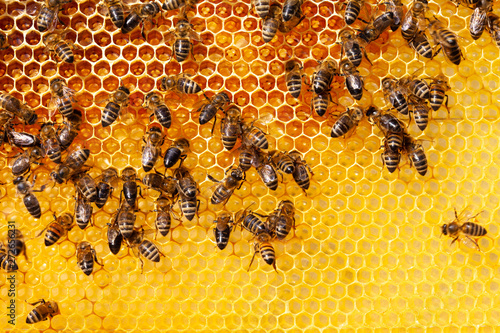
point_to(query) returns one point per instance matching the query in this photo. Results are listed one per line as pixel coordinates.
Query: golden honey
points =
(366, 253)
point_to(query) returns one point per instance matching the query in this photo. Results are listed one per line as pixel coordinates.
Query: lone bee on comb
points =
(462, 229)
(86, 257)
(42, 312)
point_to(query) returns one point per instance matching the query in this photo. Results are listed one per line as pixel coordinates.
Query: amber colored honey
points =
(366, 254)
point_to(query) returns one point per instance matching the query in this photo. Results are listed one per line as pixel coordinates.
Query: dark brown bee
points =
(293, 77)
(29, 199)
(13, 105)
(180, 83)
(230, 127)
(397, 10)
(150, 153)
(266, 171)
(321, 102)
(209, 110)
(42, 312)
(162, 184)
(188, 189)
(22, 164)
(83, 212)
(376, 27)
(462, 229)
(282, 161)
(87, 186)
(413, 18)
(421, 44)
(104, 187)
(386, 121)
(438, 87)
(253, 136)
(61, 97)
(261, 7)
(114, 236)
(4, 41)
(494, 27)
(352, 10)
(351, 47)
(287, 26)
(390, 158)
(154, 103)
(447, 40)
(467, 3)
(301, 175)
(353, 81)
(182, 36)
(126, 220)
(478, 21)
(115, 11)
(48, 13)
(228, 185)
(271, 23)
(69, 130)
(176, 151)
(7, 261)
(420, 112)
(416, 154)
(250, 221)
(117, 101)
(6, 118)
(57, 229)
(265, 249)
(223, 227)
(163, 220)
(176, 4)
(282, 220)
(395, 95)
(347, 121)
(247, 155)
(143, 247)
(130, 186)
(54, 42)
(16, 243)
(139, 14)
(417, 87)
(70, 166)
(323, 76)
(85, 256)
(394, 141)
(22, 139)
(50, 142)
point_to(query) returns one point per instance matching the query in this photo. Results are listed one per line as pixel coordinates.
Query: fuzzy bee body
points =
(222, 230)
(59, 228)
(231, 127)
(86, 257)
(347, 121)
(42, 312)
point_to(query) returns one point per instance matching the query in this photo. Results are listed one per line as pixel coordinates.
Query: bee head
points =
(444, 229)
(124, 89)
(372, 111)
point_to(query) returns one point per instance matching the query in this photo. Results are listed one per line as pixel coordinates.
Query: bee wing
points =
(470, 243)
(194, 35)
(198, 106)
(52, 106)
(465, 214)
(169, 37)
(101, 100)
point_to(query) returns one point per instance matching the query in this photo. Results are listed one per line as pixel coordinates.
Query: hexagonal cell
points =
(93, 53)
(92, 83)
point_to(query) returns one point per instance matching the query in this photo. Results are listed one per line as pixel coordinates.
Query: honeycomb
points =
(366, 252)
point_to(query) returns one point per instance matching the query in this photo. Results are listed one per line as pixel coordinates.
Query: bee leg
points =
(38, 302)
(142, 31)
(182, 158)
(446, 105)
(213, 179)
(475, 242)
(213, 126)
(95, 257)
(253, 257)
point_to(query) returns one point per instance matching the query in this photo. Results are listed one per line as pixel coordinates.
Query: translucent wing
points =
(470, 243)
(52, 106)
(194, 35)
(169, 37)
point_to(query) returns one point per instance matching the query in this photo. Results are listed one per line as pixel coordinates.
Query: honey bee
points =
(386, 121)
(182, 36)
(245, 158)
(5, 126)
(54, 42)
(87, 186)
(292, 8)
(187, 189)
(394, 141)
(261, 7)
(29, 199)
(351, 48)
(282, 220)
(154, 103)
(420, 112)
(180, 83)
(282, 161)
(321, 102)
(301, 175)
(4, 41)
(352, 10)
(347, 121)
(209, 110)
(293, 77)
(162, 184)
(130, 186)
(115, 11)
(42, 312)
(22, 139)
(271, 23)
(447, 40)
(48, 13)
(395, 95)
(71, 166)
(254, 136)
(58, 228)
(417, 87)
(22, 164)
(16, 243)
(85, 256)
(114, 236)
(83, 212)
(50, 143)
(323, 76)
(421, 44)
(104, 187)
(494, 27)
(176, 151)
(228, 185)
(412, 19)
(353, 81)
(287, 26)
(7, 261)
(266, 171)
(462, 229)
(230, 127)
(150, 153)
(376, 27)
(117, 101)
(223, 227)
(144, 247)
(176, 4)
(266, 250)
(163, 220)
(69, 130)
(13, 105)
(126, 220)
(397, 9)
(61, 98)
(416, 154)
(139, 14)
(437, 93)
(390, 158)
(250, 221)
